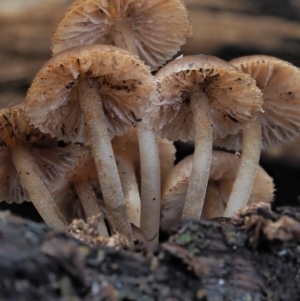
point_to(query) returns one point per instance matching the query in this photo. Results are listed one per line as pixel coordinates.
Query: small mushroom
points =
(104, 88)
(202, 98)
(223, 171)
(83, 179)
(151, 29)
(279, 122)
(31, 163)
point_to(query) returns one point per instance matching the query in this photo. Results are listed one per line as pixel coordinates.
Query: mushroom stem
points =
(91, 106)
(35, 187)
(202, 156)
(150, 184)
(90, 204)
(242, 187)
(130, 190)
(123, 37)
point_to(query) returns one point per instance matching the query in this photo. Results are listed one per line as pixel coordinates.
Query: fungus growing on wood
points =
(278, 122)
(31, 162)
(223, 172)
(104, 88)
(152, 29)
(202, 98)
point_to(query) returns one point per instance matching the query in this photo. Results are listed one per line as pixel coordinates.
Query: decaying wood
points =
(255, 256)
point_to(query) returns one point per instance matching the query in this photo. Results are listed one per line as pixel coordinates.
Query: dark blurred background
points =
(225, 28)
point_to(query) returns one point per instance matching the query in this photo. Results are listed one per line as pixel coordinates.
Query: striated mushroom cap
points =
(158, 27)
(279, 82)
(50, 160)
(125, 84)
(233, 97)
(223, 171)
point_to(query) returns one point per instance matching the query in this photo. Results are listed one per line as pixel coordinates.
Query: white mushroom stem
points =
(150, 184)
(123, 36)
(90, 204)
(130, 190)
(242, 187)
(35, 187)
(202, 155)
(91, 106)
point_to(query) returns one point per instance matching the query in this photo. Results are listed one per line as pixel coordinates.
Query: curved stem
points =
(150, 185)
(202, 156)
(245, 176)
(91, 106)
(130, 189)
(123, 36)
(90, 204)
(35, 187)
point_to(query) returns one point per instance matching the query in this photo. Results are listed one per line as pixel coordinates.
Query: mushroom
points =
(152, 29)
(126, 149)
(104, 88)
(202, 98)
(31, 163)
(82, 179)
(223, 172)
(279, 122)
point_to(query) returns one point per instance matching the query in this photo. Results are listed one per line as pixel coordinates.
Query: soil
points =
(254, 256)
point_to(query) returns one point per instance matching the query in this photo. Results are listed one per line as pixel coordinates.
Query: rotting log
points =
(255, 256)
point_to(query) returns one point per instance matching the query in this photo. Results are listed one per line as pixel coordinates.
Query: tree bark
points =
(254, 256)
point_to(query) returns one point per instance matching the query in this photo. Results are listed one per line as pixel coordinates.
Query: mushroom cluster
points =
(118, 122)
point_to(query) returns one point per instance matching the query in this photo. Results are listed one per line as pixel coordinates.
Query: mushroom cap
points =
(51, 161)
(279, 82)
(125, 84)
(14, 124)
(223, 171)
(233, 97)
(159, 27)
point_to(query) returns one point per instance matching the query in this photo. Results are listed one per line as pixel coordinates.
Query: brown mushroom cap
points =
(124, 85)
(158, 27)
(280, 85)
(233, 96)
(50, 159)
(222, 175)
(44, 160)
